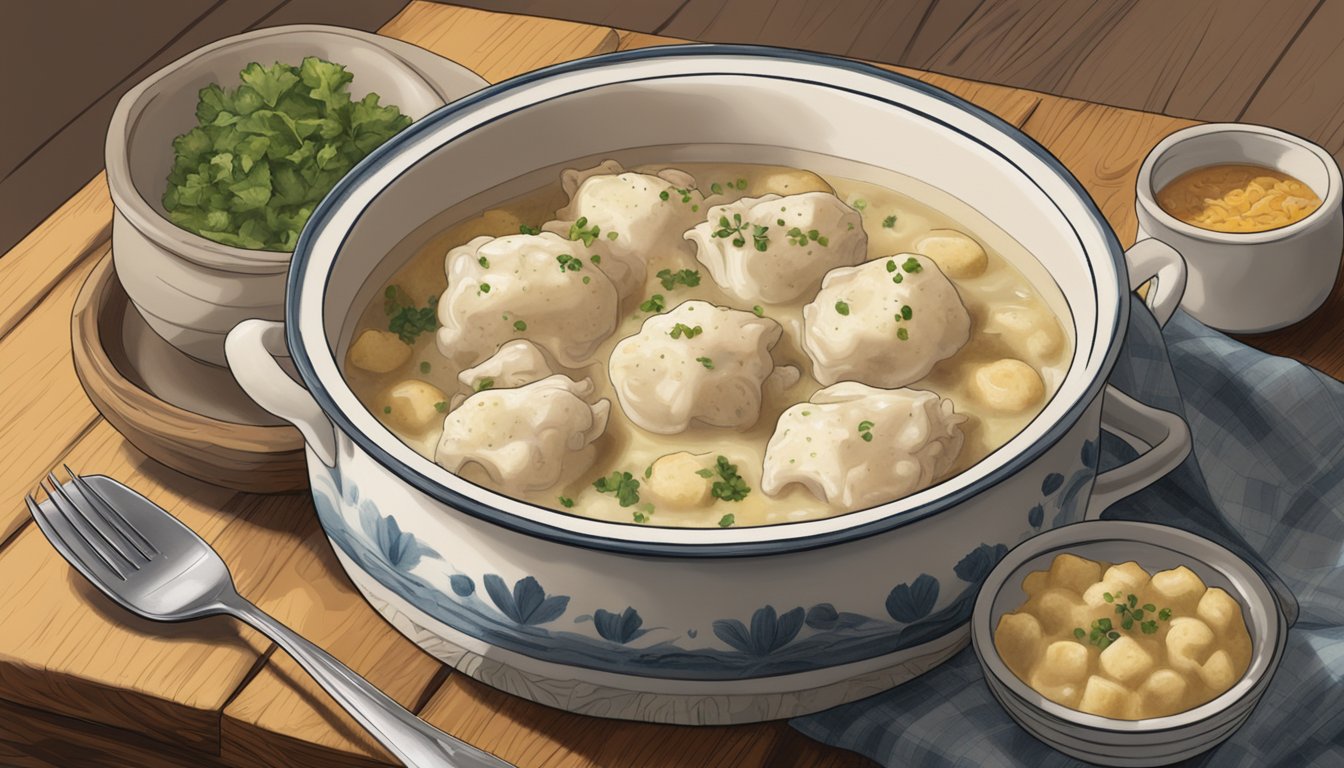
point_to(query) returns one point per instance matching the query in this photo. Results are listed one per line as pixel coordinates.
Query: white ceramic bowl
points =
(1154, 741)
(1256, 281)
(191, 290)
(694, 625)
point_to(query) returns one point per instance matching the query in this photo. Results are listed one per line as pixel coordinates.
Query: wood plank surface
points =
(35, 265)
(639, 16)
(33, 739)
(497, 46)
(44, 409)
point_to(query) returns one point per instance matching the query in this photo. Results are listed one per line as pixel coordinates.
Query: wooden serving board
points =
(82, 682)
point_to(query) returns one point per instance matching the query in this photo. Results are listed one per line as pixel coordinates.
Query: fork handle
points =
(413, 741)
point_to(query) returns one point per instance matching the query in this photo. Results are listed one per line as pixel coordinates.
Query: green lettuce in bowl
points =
(263, 154)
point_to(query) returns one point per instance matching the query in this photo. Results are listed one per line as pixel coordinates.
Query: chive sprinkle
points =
(484, 262)
(758, 311)
(907, 312)
(842, 307)
(912, 265)
(519, 325)
(903, 334)
(889, 222)
(424, 366)
(705, 361)
(567, 502)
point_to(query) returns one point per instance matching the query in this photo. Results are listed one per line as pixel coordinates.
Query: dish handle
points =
(1152, 259)
(1162, 437)
(251, 349)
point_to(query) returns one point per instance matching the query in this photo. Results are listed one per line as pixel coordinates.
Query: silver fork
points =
(153, 565)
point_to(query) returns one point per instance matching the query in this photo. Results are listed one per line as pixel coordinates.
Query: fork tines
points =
(86, 521)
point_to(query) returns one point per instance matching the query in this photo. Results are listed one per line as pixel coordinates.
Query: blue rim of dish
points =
(468, 505)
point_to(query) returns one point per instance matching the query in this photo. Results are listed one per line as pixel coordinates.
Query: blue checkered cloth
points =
(1265, 479)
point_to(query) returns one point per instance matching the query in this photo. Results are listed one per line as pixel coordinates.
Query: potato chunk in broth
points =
(716, 342)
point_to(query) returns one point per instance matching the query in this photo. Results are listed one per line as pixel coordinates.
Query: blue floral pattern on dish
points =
(771, 641)
(1070, 491)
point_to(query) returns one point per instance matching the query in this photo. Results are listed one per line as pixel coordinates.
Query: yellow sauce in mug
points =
(1237, 198)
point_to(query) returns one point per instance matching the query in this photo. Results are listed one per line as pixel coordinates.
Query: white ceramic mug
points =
(1257, 281)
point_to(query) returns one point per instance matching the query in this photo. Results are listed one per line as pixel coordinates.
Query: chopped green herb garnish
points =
(640, 517)
(731, 486)
(897, 278)
(705, 361)
(912, 265)
(441, 406)
(759, 238)
(716, 188)
(483, 288)
(860, 204)
(732, 229)
(664, 195)
(612, 235)
(485, 383)
(648, 472)
(681, 329)
(842, 307)
(622, 485)
(727, 520)
(653, 304)
(586, 279)
(758, 311)
(580, 230)
(519, 325)
(797, 236)
(740, 183)
(484, 262)
(260, 156)
(891, 265)
(907, 312)
(866, 431)
(404, 318)
(387, 409)
(565, 501)
(889, 222)
(569, 263)
(687, 277)
(526, 230)
(903, 334)
(595, 258)
(424, 366)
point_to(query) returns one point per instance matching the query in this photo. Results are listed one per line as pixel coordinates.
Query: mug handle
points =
(1161, 437)
(251, 348)
(1151, 258)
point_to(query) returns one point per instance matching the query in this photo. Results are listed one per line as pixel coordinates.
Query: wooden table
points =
(82, 682)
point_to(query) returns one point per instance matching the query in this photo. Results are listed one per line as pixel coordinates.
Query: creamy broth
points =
(1010, 319)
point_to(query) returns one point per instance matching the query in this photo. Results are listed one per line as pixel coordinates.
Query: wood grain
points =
(641, 16)
(1198, 58)
(282, 717)
(44, 410)
(260, 459)
(497, 46)
(534, 736)
(828, 27)
(29, 272)
(1104, 147)
(1302, 93)
(1011, 104)
(33, 739)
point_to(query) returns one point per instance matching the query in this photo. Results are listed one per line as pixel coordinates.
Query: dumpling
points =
(955, 253)
(538, 287)
(856, 446)
(635, 215)
(527, 438)
(775, 249)
(697, 362)
(884, 323)
(515, 364)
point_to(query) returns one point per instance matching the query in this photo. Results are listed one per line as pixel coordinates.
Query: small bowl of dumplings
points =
(1127, 643)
